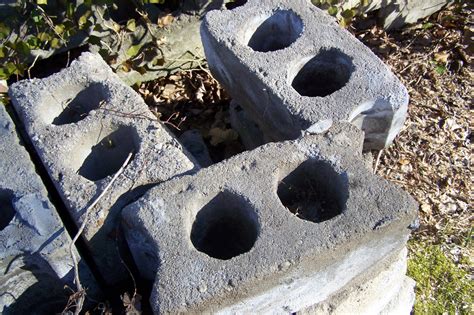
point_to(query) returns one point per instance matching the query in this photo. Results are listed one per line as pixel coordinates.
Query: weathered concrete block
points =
(84, 122)
(376, 291)
(192, 140)
(293, 68)
(276, 229)
(35, 262)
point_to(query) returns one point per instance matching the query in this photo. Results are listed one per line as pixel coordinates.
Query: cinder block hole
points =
(323, 74)
(314, 191)
(226, 227)
(108, 155)
(276, 32)
(6, 207)
(234, 4)
(77, 103)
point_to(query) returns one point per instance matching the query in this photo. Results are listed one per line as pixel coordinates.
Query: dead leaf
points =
(441, 57)
(165, 20)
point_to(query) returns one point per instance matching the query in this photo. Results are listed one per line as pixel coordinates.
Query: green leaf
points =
(427, 25)
(22, 48)
(59, 28)
(333, 10)
(70, 9)
(364, 3)
(10, 68)
(440, 69)
(3, 52)
(37, 18)
(33, 42)
(3, 74)
(133, 50)
(348, 14)
(43, 36)
(131, 26)
(40, 2)
(83, 19)
(55, 43)
(316, 2)
(333, 2)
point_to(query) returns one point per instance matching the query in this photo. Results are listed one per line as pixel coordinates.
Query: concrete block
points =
(83, 123)
(293, 69)
(403, 302)
(397, 13)
(372, 292)
(192, 140)
(35, 262)
(276, 229)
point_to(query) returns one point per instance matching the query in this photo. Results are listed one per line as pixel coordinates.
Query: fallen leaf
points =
(165, 20)
(441, 57)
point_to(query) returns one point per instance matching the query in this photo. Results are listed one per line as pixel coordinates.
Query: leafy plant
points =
(336, 9)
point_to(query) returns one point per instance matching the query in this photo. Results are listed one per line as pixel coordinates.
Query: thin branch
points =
(377, 161)
(80, 289)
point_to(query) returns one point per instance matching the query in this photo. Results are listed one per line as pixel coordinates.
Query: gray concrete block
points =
(370, 293)
(293, 68)
(192, 140)
(35, 262)
(83, 122)
(403, 302)
(276, 229)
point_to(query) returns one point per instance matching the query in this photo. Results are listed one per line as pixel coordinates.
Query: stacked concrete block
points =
(273, 230)
(84, 123)
(35, 262)
(364, 295)
(292, 68)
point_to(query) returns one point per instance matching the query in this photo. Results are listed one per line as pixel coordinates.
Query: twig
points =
(80, 289)
(32, 65)
(377, 161)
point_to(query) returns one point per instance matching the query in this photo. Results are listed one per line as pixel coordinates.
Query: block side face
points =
(334, 77)
(82, 147)
(288, 247)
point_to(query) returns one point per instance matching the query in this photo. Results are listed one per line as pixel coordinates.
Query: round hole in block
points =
(234, 4)
(6, 207)
(72, 103)
(226, 227)
(276, 32)
(314, 191)
(323, 74)
(105, 157)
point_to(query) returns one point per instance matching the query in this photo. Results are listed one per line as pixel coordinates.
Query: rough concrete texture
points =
(35, 262)
(192, 140)
(293, 68)
(84, 122)
(276, 229)
(380, 290)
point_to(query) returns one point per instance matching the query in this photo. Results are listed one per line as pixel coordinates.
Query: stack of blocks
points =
(298, 223)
